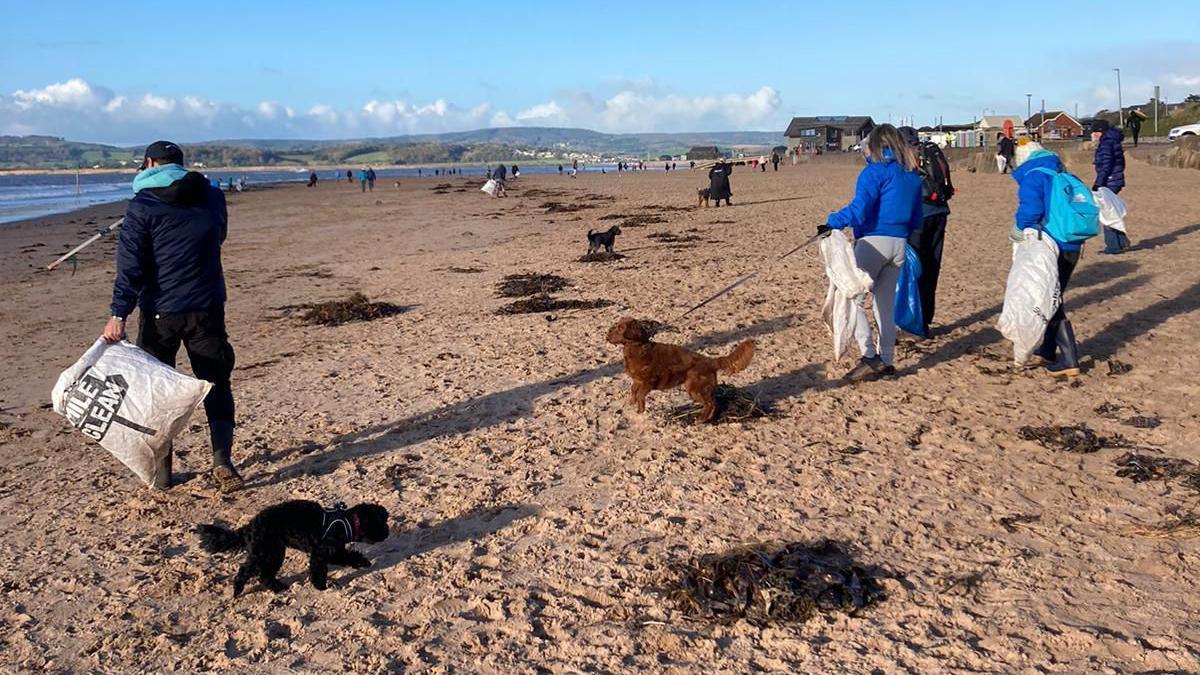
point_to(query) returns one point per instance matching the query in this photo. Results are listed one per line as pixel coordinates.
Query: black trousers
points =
(928, 243)
(1067, 260)
(207, 344)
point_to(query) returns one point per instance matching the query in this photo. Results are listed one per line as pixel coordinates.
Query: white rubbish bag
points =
(1032, 294)
(1001, 162)
(489, 187)
(127, 400)
(1112, 209)
(847, 284)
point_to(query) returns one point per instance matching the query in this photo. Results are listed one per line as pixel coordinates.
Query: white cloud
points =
(1184, 80)
(78, 109)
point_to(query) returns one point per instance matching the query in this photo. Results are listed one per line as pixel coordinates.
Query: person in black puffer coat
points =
(169, 267)
(1110, 173)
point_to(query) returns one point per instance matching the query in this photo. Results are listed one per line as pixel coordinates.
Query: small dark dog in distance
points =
(702, 197)
(302, 525)
(605, 239)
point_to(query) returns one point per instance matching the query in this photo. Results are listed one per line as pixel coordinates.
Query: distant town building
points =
(1054, 124)
(834, 132)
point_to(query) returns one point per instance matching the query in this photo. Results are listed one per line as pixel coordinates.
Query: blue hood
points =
(1033, 193)
(158, 177)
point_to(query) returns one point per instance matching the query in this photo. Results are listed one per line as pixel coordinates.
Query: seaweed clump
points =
(354, 308)
(600, 257)
(523, 285)
(733, 405)
(545, 303)
(1077, 438)
(765, 584)
(1143, 468)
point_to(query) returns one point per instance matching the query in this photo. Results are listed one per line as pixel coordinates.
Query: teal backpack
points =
(1074, 216)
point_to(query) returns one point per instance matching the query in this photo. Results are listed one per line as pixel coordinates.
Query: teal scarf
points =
(157, 177)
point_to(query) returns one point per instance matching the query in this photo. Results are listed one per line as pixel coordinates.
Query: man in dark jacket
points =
(1110, 173)
(1008, 150)
(718, 183)
(936, 191)
(169, 266)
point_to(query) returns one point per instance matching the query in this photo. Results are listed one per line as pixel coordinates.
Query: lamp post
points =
(1120, 106)
(1028, 108)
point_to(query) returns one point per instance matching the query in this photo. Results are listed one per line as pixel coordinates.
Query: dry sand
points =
(534, 514)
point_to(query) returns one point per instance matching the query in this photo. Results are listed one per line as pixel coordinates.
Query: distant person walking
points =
(312, 178)
(362, 178)
(775, 160)
(169, 267)
(349, 176)
(886, 209)
(718, 183)
(1007, 150)
(1110, 173)
(1134, 124)
(370, 179)
(936, 191)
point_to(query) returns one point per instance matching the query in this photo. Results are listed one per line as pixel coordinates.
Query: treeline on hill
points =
(49, 152)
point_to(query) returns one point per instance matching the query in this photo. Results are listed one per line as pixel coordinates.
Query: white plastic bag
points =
(128, 401)
(1112, 209)
(847, 283)
(1001, 162)
(489, 187)
(1032, 295)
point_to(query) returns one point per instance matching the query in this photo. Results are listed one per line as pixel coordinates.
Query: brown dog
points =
(702, 197)
(656, 366)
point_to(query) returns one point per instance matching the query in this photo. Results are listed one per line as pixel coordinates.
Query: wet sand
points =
(534, 514)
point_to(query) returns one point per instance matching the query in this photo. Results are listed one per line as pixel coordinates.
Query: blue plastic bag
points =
(907, 312)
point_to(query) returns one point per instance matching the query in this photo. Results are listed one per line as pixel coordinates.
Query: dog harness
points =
(338, 524)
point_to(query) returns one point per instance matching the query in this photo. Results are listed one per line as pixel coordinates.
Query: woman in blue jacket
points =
(885, 210)
(1110, 173)
(1057, 351)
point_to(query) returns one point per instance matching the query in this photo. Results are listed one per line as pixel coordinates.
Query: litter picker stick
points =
(750, 276)
(89, 242)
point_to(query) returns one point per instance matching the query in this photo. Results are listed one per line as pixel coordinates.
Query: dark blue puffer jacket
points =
(169, 253)
(1110, 161)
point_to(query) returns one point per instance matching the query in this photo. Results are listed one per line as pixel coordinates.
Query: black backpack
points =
(936, 187)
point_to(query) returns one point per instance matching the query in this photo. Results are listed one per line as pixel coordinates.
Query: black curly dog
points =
(303, 525)
(606, 239)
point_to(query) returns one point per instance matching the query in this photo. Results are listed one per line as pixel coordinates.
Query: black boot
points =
(1067, 364)
(227, 477)
(162, 470)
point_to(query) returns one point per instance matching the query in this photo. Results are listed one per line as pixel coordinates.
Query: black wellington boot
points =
(227, 477)
(162, 470)
(1067, 364)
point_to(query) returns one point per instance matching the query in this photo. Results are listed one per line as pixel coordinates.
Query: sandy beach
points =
(535, 514)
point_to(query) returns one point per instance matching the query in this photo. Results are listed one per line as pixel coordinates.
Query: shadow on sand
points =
(476, 413)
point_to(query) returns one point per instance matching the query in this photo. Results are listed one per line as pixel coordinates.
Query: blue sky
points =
(132, 71)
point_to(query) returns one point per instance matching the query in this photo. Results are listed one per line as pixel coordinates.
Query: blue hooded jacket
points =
(169, 251)
(1033, 193)
(1110, 161)
(887, 201)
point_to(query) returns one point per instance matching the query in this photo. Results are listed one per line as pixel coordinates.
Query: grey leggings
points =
(882, 258)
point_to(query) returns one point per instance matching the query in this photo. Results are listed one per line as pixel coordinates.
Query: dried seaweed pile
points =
(464, 270)
(733, 405)
(545, 303)
(642, 221)
(536, 290)
(670, 238)
(354, 308)
(1078, 438)
(1187, 525)
(522, 285)
(1118, 367)
(600, 257)
(1142, 468)
(766, 584)
(560, 207)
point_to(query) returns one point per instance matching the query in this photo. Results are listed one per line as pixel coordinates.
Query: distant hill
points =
(480, 145)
